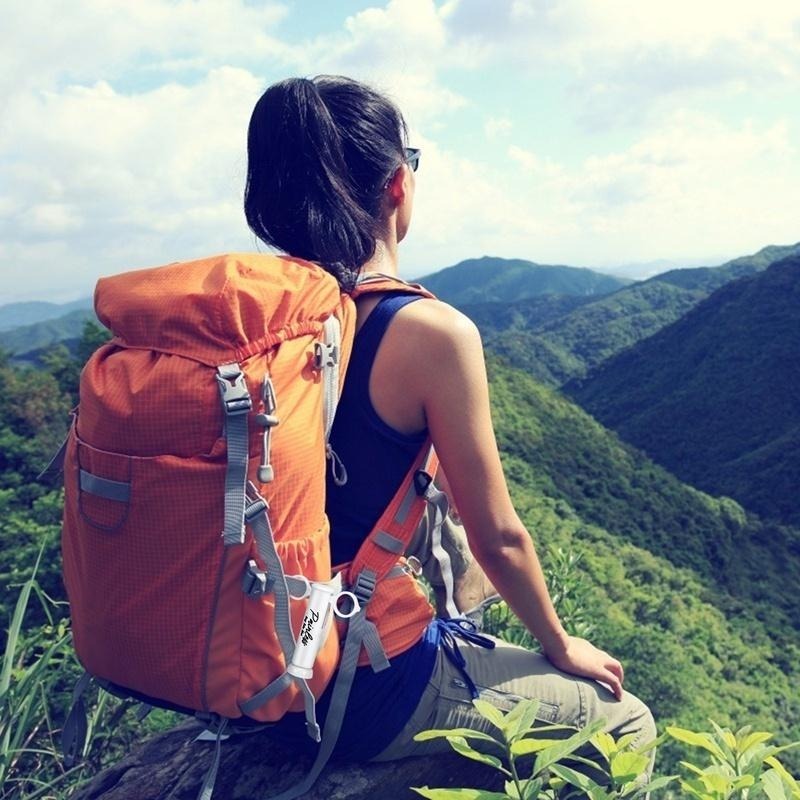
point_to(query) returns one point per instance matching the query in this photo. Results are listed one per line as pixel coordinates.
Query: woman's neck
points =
(384, 259)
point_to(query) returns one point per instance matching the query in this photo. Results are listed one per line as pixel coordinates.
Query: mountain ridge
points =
(557, 348)
(716, 392)
(17, 314)
(25, 341)
(494, 279)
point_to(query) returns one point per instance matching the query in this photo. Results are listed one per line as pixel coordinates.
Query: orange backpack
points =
(195, 542)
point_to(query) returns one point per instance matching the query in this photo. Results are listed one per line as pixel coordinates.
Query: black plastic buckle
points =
(422, 482)
(256, 583)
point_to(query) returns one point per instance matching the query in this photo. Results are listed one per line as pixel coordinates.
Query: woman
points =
(330, 179)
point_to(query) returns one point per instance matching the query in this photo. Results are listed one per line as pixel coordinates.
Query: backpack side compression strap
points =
(395, 529)
(376, 558)
(393, 532)
(236, 405)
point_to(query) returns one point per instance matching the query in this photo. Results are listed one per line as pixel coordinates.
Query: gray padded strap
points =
(104, 487)
(258, 518)
(358, 630)
(337, 708)
(439, 503)
(280, 684)
(374, 647)
(405, 507)
(236, 405)
(311, 709)
(389, 542)
(207, 789)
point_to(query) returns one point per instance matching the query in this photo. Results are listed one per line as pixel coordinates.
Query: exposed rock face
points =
(172, 765)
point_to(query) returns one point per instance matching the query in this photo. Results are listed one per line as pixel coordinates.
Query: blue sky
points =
(586, 132)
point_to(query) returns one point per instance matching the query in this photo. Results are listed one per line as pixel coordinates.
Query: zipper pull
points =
(267, 420)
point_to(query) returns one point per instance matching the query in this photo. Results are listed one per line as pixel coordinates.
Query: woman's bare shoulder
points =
(438, 323)
(435, 348)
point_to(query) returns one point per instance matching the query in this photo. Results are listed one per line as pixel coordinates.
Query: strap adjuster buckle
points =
(325, 355)
(255, 582)
(233, 390)
(422, 482)
(364, 587)
(256, 507)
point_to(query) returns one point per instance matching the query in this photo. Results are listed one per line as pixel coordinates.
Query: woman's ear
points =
(398, 200)
(397, 186)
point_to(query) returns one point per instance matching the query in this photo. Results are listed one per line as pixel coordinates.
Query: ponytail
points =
(319, 155)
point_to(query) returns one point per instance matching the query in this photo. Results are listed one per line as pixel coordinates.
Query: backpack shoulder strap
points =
(394, 530)
(374, 560)
(373, 282)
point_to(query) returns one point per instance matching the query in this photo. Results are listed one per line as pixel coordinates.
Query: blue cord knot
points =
(465, 629)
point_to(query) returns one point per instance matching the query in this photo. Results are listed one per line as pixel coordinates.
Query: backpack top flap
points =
(218, 309)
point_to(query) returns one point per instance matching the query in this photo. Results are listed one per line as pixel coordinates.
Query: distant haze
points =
(82, 295)
(648, 269)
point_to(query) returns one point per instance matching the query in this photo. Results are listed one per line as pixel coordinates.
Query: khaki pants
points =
(503, 676)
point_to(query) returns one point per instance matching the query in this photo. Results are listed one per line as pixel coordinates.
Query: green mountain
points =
(700, 599)
(715, 397)
(556, 347)
(710, 278)
(13, 315)
(490, 279)
(26, 341)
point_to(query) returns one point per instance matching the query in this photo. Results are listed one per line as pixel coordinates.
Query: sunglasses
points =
(412, 155)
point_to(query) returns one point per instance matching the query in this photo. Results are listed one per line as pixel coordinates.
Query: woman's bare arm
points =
(436, 357)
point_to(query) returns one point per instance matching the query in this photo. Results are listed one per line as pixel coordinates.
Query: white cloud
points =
(495, 127)
(49, 219)
(122, 139)
(530, 162)
(125, 180)
(400, 49)
(465, 208)
(623, 57)
(693, 182)
(136, 175)
(695, 186)
(89, 39)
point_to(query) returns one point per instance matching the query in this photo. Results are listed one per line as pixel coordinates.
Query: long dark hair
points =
(319, 154)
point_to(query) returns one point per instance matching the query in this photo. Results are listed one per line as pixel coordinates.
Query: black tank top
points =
(375, 456)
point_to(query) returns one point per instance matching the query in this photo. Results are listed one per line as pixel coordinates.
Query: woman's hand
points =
(580, 657)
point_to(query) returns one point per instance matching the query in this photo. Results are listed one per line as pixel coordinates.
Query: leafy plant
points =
(520, 736)
(742, 765)
(569, 591)
(31, 668)
(623, 772)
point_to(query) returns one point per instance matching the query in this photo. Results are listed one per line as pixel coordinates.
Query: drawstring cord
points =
(467, 630)
(338, 469)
